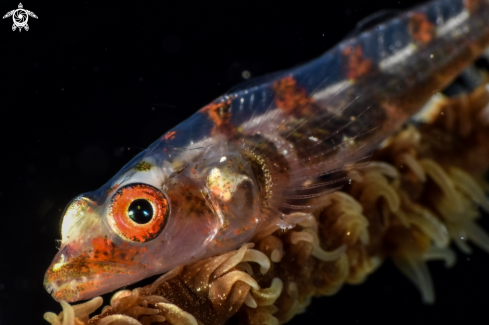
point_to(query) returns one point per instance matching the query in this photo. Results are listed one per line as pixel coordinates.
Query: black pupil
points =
(140, 211)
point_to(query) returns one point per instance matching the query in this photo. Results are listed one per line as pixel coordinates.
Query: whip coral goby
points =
(278, 191)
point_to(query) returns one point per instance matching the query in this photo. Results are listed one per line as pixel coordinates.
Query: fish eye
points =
(138, 212)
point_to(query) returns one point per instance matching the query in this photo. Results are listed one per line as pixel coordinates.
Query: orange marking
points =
(107, 251)
(290, 97)
(169, 135)
(102, 248)
(220, 115)
(421, 30)
(357, 66)
(471, 5)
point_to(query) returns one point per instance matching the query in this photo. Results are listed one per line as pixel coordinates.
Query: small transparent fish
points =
(266, 153)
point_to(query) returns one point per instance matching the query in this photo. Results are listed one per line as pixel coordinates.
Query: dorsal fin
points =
(372, 20)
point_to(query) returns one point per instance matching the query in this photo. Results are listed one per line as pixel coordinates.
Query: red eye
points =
(138, 212)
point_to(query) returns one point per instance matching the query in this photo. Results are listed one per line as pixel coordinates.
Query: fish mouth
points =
(85, 269)
(84, 279)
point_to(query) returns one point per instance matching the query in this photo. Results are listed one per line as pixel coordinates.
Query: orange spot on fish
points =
(356, 65)
(471, 5)
(290, 97)
(102, 248)
(107, 251)
(220, 114)
(169, 135)
(421, 30)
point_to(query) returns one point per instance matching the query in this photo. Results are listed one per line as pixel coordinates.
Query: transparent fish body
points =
(265, 154)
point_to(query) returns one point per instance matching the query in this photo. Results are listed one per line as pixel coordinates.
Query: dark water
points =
(90, 85)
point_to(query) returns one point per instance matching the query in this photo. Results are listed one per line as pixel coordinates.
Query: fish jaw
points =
(77, 274)
(78, 280)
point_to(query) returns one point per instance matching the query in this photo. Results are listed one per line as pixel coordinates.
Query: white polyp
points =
(466, 184)
(174, 314)
(165, 277)
(326, 256)
(439, 253)
(380, 188)
(292, 290)
(233, 260)
(347, 200)
(51, 318)
(297, 236)
(417, 271)
(118, 295)
(461, 243)
(415, 167)
(68, 313)
(252, 255)
(478, 235)
(452, 201)
(155, 299)
(249, 301)
(309, 222)
(268, 296)
(228, 279)
(245, 267)
(439, 230)
(381, 167)
(276, 256)
(119, 319)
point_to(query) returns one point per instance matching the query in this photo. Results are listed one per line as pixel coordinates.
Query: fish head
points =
(162, 210)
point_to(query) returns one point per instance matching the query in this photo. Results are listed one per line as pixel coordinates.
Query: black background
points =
(90, 85)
